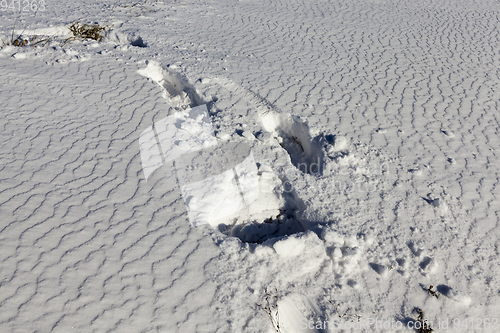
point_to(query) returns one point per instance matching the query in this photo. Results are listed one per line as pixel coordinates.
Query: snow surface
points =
(340, 157)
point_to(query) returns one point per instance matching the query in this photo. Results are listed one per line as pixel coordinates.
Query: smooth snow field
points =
(250, 166)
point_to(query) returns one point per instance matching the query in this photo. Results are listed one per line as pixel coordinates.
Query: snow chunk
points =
(178, 93)
(289, 247)
(293, 309)
(125, 39)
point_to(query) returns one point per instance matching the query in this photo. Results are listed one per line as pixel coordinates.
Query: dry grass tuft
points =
(82, 31)
(19, 40)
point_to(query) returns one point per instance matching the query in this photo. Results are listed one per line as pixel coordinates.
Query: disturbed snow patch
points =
(121, 38)
(228, 182)
(61, 45)
(178, 92)
(293, 135)
(220, 181)
(295, 211)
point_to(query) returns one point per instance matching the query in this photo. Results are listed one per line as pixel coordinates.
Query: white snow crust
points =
(250, 166)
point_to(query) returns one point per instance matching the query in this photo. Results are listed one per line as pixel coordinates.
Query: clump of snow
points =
(178, 93)
(289, 247)
(293, 134)
(125, 38)
(294, 309)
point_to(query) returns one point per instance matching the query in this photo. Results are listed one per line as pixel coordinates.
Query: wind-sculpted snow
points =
(373, 129)
(416, 79)
(84, 243)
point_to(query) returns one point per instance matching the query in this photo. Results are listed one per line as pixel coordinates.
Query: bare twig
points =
(346, 316)
(424, 325)
(271, 309)
(433, 292)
